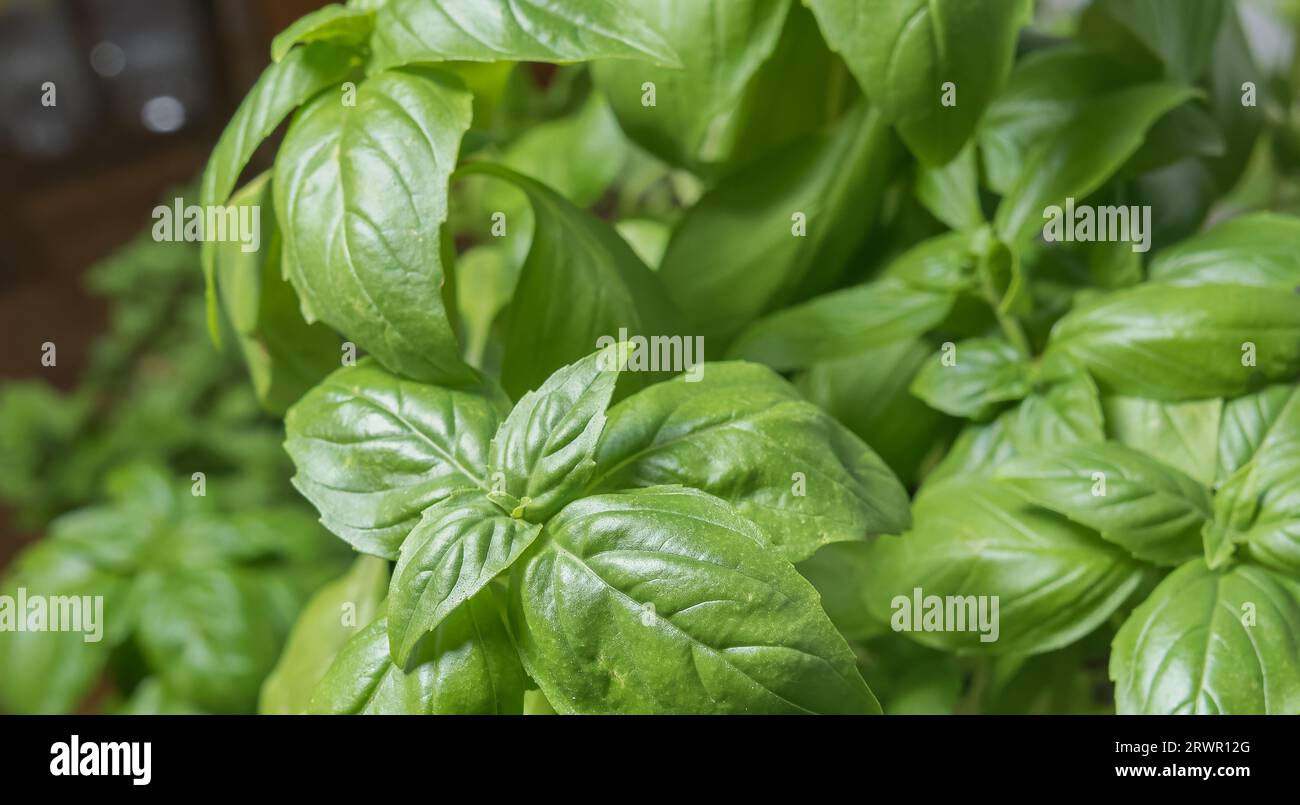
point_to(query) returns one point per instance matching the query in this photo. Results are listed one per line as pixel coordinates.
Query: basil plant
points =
(712, 355)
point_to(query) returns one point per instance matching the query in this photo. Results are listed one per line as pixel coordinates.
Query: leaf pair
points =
(570, 501)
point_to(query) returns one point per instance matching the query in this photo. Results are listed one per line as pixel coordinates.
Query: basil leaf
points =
(282, 87)
(459, 546)
(1150, 509)
(408, 31)
(327, 621)
(361, 236)
(1254, 422)
(800, 89)
(1231, 66)
(1180, 32)
(1081, 155)
(1210, 642)
(663, 600)
(1180, 434)
(1184, 342)
(868, 392)
(285, 355)
(333, 23)
(902, 53)
(1055, 580)
(1046, 90)
(722, 43)
(744, 435)
(373, 451)
(52, 671)
(1259, 505)
(1256, 249)
(984, 374)
(545, 448)
(467, 666)
(841, 323)
(736, 255)
(1064, 408)
(581, 260)
(951, 192)
(210, 633)
(838, 571)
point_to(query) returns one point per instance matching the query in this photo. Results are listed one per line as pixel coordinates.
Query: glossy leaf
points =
(458, 547)
(722, 43)
(334, 23)
(984, 373)
(373, 451)
(410, 31)
(736, 254)
(1150, 509)
(1180, 434)
(1211, 642)
(581, 282)
(467, 666)
(663, 600)
(282, 88)
(841, 323)
(1184, 342)
(1081, 155)
(545, 449)
(332, 616)
(1055, 580)
(903, 53)
(743, 434)
(1258, 249)
(361, 233)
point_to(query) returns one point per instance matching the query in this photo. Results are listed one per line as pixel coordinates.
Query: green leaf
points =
(1180, 32)
(1258, 249)
(286, 356)
(722, 44)
(209, 633)
(282, 87)
(1179, 434)
(332, 616)
(580, 283)
(744, 435)
(736, 254)
(1259, 505)
(902, 53)
(868, 392)
(1231, 66)
(409, 31)
(1152, 510)
(1046, 90)
(53, 671)
(1254, 422)
(467, 666)
(665, 601)
(951, 192)
(1055, 580)
(1210, 642)
(841, 323)
(1064, 408)
(361, 233)
(1184, 342)
(545, 449)
(838, 571)
(1081, 155)
(459, 546)
(333, 23)
(373, 451)
(984, 373)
